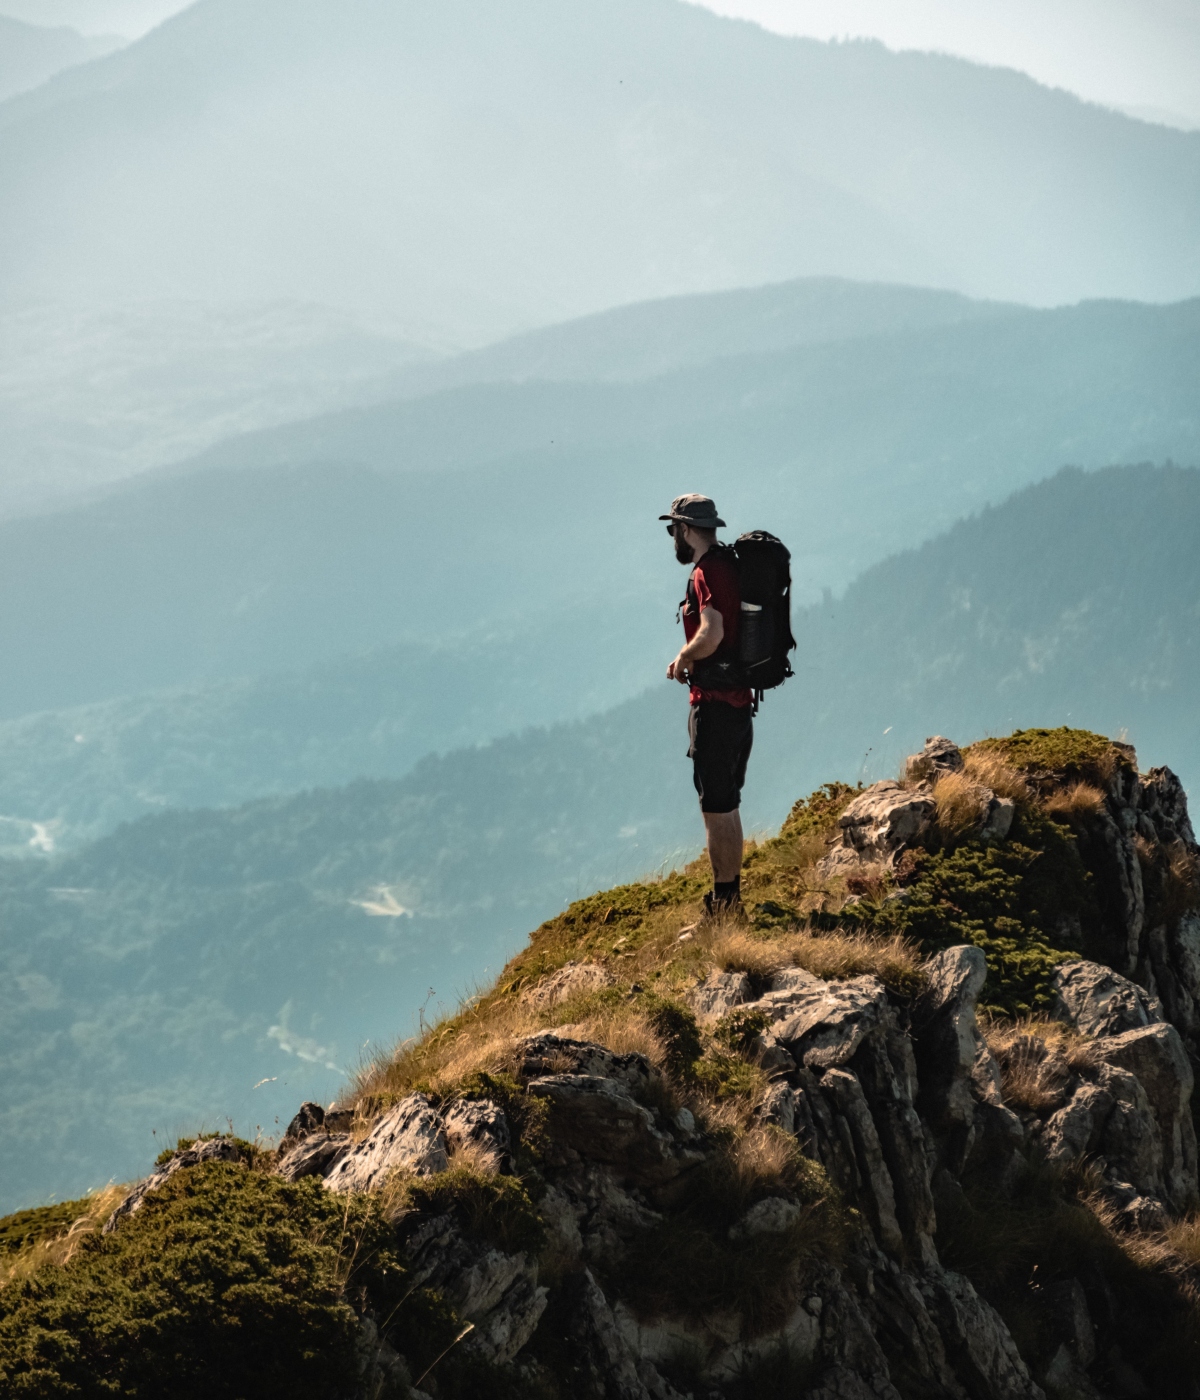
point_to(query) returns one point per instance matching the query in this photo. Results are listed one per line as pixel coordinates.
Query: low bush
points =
(226, 1283)
(1066, 755)
(1027, 902)
(496, 1209)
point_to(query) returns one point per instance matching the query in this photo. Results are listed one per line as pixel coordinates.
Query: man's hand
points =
(707, 639)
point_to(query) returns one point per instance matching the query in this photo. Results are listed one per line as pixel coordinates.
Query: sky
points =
(1138, 55)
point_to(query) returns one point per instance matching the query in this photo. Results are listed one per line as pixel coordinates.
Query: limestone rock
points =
(409, 1137)
(604, 1355)
(570, 980)
(1156, 1056)
(315, 1155)
(496, 1291)
(1098, 1001)
(202, 1150)
(879, 1193)
(596, 1119)
(821, 1024)
(937, 758)
(768, 1217)
(479, 1126)
(978, 1343)
(309, 1119)
(884, 819)
(548, 1053)
(718, 994)
(957, 1071)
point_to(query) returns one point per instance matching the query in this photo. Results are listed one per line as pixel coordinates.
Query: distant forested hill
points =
(191, 955)
(481, 504)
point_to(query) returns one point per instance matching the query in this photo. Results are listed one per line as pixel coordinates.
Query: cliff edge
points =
(918, 1122)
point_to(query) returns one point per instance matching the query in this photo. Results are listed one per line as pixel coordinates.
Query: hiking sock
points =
(727, 892)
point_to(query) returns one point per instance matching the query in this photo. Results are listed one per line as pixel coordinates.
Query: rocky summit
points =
(917, 1121)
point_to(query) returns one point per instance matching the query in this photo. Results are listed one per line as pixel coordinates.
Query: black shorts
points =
(721, 737)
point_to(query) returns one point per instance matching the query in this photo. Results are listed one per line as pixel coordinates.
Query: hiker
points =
(721, 716)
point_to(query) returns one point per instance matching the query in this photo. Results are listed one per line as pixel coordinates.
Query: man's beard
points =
(683, 550)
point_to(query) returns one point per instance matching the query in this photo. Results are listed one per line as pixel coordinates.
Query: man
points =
(720, 720)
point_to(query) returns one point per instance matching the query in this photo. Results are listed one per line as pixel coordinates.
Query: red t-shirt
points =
(715, 583)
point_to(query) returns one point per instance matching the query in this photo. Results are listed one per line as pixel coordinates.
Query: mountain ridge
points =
(659, 108)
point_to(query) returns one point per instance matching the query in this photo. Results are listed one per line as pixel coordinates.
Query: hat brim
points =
(712, 522)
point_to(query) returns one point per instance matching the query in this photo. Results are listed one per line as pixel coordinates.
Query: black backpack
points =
(764, 573)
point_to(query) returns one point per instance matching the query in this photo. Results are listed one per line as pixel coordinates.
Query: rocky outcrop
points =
(217, 1149)
(899, 1100)
(879, 823)
(411, 1137)
(495, 1291)
(1098, 1001)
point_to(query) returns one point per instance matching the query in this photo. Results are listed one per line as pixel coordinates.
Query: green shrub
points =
(226, 1283)
(496, 1209)
(819, 811)
(677, 1029)
(1027, 902)
(738, 1029)
(1071, 755)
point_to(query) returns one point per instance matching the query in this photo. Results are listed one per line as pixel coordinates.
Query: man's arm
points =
(708, 638)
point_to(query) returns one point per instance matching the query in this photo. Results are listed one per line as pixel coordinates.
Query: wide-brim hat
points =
(698, 511)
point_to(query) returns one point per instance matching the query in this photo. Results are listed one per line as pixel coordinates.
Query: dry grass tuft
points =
(832, 956)
(1183, 1240)
(61, 1249)
(1036, 1055)
(1074, 801)
(989, 769)
(961, 804)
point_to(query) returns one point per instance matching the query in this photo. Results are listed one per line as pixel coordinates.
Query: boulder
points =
(480, 1127)
(1098, 1001)
(937, 758)
(884, 819)
(316, 1154)
(718, 994)
(410, 1137)
(821, 1024)
(595, 1119)
(1156, 1056)
(202, 1150)
(548, 1053)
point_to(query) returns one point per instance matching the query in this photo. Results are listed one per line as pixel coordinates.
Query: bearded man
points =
(721, 712)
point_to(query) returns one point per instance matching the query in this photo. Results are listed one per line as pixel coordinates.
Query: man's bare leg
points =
(724, 844)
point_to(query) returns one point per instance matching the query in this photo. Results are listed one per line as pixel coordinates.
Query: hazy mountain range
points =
(31, 53)
(210, 951)
(485, 504)
(440, 176)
